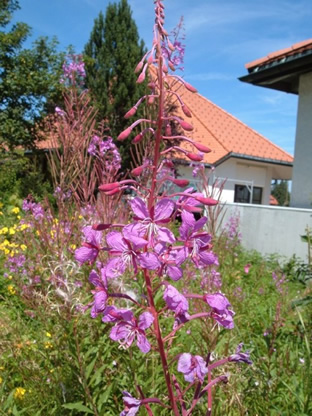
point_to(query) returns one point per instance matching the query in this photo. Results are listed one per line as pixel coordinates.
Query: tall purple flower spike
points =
(193, 367)
(126, 332)
(91, 247)
(148, 223)
(220, 309)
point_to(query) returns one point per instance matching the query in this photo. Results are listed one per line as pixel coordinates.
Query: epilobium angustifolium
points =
(149, 252)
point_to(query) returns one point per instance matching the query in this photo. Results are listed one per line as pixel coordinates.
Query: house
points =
(290, 70)
(246, 159)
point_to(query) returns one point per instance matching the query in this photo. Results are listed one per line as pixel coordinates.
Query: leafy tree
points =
(111, 55)
(29, 80)
(280, 192)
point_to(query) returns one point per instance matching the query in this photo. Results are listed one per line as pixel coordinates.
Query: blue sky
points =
(221, 36)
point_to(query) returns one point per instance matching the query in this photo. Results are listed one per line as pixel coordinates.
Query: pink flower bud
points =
(165, 68)
(100, 227)
(186, 110)
(195, 157)
(108, 186)
(131, 112)
(186, 126)
(201, 147)
(150, 59)
(137, 171)
(138, 67)
(141, 77)
(169, 164)
(182, 183)
(171, 47)
(123, 135)
(151, 100)
(171, 66)
(168, 130)
(138, 138)
(190, 87)
(113, 192)
(206, 201)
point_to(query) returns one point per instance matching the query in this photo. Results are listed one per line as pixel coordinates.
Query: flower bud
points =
(206, 201)
(170, 46)
(123, 135)
(138, 138)
(141, 78)
(194, 157)
(108, 186)
(186, 110)
(137, 171)
(138, 67)
(100, 227)
(150, 59)
(190, 87)
(151, 100)
(171, 66)
(186, 126)
(113, 192)
(168, 130)
(182, 183)
(201, 147)
(169, 164)
(165, 68)
(131, 112)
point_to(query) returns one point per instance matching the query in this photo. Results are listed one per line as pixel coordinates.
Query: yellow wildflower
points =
(48, 345)
(11, 290)
(1, 380)
(4, 230)
(24, 226)
(23, 247)
(15, 210)
(19, 393)
(12, 231)
(73, 246)
(48, 334)
(1, 213)
(80, 217)
(10, 277)
(37, 232)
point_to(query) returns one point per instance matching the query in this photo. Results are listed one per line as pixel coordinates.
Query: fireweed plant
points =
(155, 258)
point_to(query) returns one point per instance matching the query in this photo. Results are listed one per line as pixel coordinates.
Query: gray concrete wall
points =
(270, 230)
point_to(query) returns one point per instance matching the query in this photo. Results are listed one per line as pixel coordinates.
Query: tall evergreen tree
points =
(280, 192)
(111, 55)
(29, 80)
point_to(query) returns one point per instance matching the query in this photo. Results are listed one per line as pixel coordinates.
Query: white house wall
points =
(237, 172)
(301, 191)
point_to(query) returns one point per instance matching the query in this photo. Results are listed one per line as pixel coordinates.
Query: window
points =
(242, 194)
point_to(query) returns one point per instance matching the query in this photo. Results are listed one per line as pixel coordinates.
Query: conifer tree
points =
(111, 56)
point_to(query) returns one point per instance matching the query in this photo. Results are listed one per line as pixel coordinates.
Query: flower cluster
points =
(101, 148)
(73, 70)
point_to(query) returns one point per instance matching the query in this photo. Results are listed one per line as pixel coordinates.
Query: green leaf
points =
(78, 406)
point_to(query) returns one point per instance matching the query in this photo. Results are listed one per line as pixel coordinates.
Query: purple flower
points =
(196, 244)
(240, 357)
(126, 332)
(132, 405)
(100, 293)
(125, 252)
(220, 309)
(193, 367)
(168, 259)
(148, 222)
(60, 112)
(176, 302)
(112, 314)
(91, 247)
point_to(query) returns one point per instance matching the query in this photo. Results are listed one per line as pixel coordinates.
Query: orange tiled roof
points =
(223, 133)
(282, 53)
